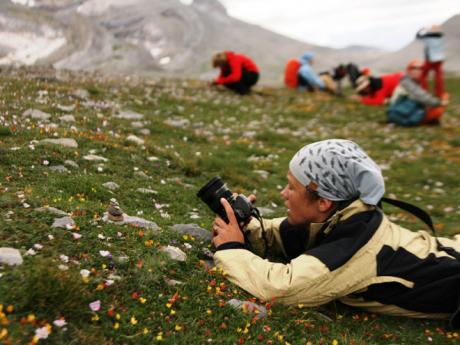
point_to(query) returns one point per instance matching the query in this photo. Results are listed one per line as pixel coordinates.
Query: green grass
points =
(229, 136)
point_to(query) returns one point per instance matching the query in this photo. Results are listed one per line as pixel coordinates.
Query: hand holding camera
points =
(234, 211)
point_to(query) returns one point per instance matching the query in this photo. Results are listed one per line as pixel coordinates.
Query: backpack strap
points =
(412, 209)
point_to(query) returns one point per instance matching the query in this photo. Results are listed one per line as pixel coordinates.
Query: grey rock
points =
(129, 115)
(114, 277)
(174, 253)
(111, 185)
(263, 174)
(63, 222)
(81, 93)
(95, 158)
(66, 108)
(193, 230)
(67, 118)
(71, 163)
(177, 122)
(135, 221)
(137, 124)
(10, 256)
(173, 282)
(146, 191)
(51, 210)
(122, 259)
(265, 211)
(36, 114)
(142, 174)
(66, 142)
(145, 131)
(135, 139)
(248, 307)
(59, 168)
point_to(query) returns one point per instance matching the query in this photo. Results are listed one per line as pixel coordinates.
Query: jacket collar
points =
(355, 207)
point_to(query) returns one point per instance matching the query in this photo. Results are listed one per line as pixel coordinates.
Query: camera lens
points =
(211, 194)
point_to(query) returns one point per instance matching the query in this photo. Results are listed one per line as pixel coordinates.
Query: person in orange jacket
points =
(376, 90)
(237, 71)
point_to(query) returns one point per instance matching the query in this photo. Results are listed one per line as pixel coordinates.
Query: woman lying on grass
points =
(339, 244)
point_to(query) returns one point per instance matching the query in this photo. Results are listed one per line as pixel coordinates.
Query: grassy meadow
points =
(189, 133)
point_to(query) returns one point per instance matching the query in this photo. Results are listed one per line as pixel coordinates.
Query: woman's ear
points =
(325, 205)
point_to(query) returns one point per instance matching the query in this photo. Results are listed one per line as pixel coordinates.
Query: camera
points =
(215, 189)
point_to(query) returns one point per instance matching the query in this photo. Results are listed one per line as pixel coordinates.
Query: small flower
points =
(85, 273)
(95, 306)
(31, 252)
(76, 236)
(60, 323)
(38, 246)
(64, 258)
(133, 320)
(42, 332)
(104, 253)
(116, 325)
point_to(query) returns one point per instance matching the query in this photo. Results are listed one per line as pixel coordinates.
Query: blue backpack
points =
(406, 112)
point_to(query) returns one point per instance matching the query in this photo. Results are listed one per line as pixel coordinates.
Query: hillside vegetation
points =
(89, 281)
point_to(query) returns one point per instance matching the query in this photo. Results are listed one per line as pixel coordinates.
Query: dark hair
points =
(312, 194)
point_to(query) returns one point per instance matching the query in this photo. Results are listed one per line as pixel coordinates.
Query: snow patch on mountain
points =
(30, 3)
(98, 7)
(26, 48)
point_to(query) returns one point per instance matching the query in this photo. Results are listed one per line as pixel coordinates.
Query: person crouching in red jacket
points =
(376, 90)
(237, 72)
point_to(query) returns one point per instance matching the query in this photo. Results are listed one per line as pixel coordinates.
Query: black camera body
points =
(215, 189)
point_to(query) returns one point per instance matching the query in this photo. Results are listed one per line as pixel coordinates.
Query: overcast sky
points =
(388, 24)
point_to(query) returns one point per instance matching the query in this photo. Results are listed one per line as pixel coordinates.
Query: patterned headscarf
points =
(338, 170)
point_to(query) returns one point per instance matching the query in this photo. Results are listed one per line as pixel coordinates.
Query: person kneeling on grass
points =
(237, 71)
(308, 80)
(372, 90)
(412, 105)
(338, 244)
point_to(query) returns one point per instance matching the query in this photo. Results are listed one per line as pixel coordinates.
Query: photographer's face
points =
(300, 208)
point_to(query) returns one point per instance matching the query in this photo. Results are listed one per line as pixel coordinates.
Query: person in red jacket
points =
(376, 90)
(237, 72)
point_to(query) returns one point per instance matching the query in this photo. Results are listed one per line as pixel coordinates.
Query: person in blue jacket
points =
(307, 79)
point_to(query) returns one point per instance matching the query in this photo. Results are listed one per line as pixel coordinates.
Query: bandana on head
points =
(338, 170)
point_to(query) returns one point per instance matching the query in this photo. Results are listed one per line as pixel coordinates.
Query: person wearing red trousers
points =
(432, 38)
(376, 90)
(237, 71)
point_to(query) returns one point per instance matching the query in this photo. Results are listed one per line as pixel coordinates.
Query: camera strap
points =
(256, 214)
(412, 209)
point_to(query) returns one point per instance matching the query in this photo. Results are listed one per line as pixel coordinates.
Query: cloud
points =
(388, 24)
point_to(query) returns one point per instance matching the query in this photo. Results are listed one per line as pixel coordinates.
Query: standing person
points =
(412, 105)
(307, 79)
(338, 244)
(432, 38)
(237, 71)
(376, 90)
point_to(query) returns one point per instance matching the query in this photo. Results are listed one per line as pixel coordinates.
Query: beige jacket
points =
(308, 279)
